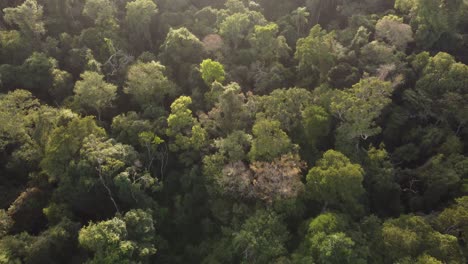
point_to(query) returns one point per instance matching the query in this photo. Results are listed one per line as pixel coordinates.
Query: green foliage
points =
(261, 238)
(183, 127)
(383, 191)
(431, 19)
(318, 51)
(180, 50)
(394, 31)
(410, 236)
(148, 85)
(92, 92)
(235, 29)
(358, 107)
(64, 143)
(231, 110)
(102, 12)
(14, 110)
(234, 146)
(265, 132)
(336, 182)
(120, 239)
(267, 45)
(212, 71)
(268, 131)
(28, 17)
(139, 16)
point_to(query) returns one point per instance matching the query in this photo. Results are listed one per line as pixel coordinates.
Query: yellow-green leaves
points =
(183, 127)
(212, 71)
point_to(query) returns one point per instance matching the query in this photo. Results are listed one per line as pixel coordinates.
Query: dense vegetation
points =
(214, 131)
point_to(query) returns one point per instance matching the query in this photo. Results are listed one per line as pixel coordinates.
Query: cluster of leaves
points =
(234, 131)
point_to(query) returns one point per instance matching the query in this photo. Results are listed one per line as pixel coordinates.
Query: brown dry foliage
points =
(267, 181)
(212, 42)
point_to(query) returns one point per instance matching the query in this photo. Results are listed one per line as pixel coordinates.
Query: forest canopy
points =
(234, 131)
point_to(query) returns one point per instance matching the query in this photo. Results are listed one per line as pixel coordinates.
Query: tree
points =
(28, 18)
(120, 239)
(38, 72)
(268, 47)
(261, 239)
(336, 182)
(327, 242)
(316, 124)
(266, 131)
(286, 106)
(139, 16)
(180, 51)
(212, 71)
(54, 245)
(454, 220)
(382, 189)
(14, 47)
(410, 236)
(230, 112)
(441, 98)
(392, 29)
(92, 92)
(234, 147)
(183, 127)
(318, 50)
(14, 110)
(127, 127)
(439, 179)
(279, 179)
(148, 85)
(338, 248)
(299, 16)
(431, 19)
(358, 107)
(234, 29)
(64, 143)
(102, 12)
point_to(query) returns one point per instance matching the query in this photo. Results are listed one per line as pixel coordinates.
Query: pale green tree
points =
(148, 84)
(392, 29)
(93, 92)
(28, 18)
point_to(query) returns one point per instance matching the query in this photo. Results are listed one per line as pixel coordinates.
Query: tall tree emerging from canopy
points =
(94, 93)
(318, 51)
(139, 16)
(28, 17)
